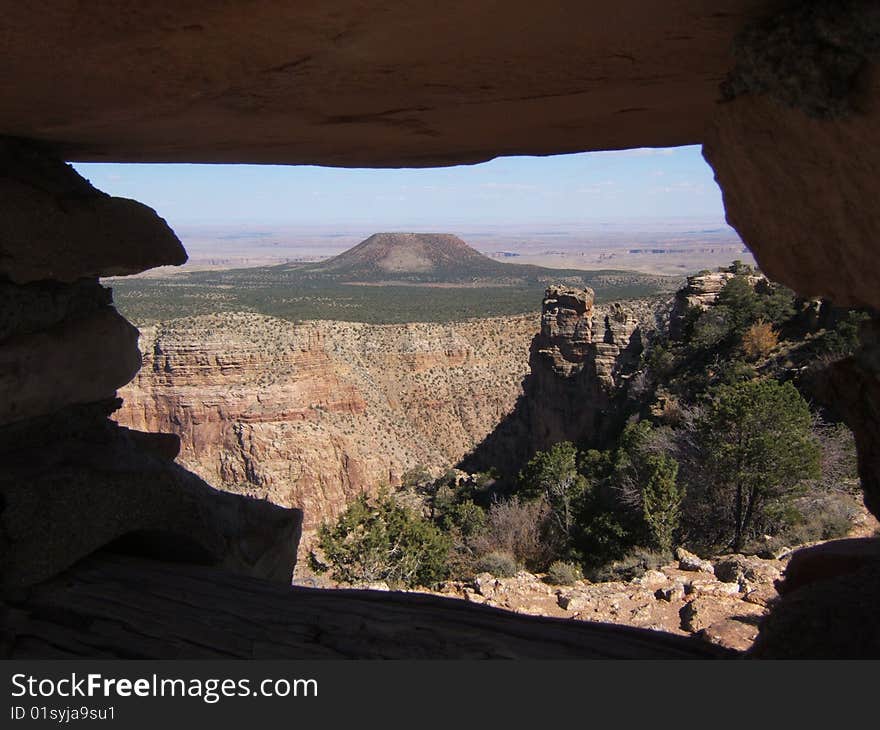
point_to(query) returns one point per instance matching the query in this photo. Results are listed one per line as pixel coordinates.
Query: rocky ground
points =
(721, 600)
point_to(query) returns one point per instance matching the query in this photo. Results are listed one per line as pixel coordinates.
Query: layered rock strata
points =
(580, 364)
(311, 414)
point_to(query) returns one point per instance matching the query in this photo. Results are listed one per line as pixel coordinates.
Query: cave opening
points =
(782, 98)
(309, 357)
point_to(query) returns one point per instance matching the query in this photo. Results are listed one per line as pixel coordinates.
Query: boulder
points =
(485, 585)
(829, 560)
(574, 601)
(760, 595)
(705, 611)
(672, 593)
(710, 587)
(55, 225)
(835, 617)
(747, 570)
(732, 633)
(688, 561)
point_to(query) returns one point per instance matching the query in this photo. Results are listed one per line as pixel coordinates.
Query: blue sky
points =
(636, 184)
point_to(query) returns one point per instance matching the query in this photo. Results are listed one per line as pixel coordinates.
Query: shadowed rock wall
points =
(72, 480)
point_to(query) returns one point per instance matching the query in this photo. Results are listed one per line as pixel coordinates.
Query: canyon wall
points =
(311, 414)
(583, 362)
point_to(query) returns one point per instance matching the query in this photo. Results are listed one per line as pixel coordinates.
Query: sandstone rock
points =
(574, 601)
(688, 561)
(744, 569)
(45, 304)
(293, 412)
(122, 606)
(78, 361)
(485, 585)
(581, 363)
(853, 385)
(705, 611)
(671, 594)
(828, 560)
(375, 585)
(827, 618)
(55, 225)
(618, 345)
(74, 482)
(332, 85)
(760, 595)
(710, 587)
(766, 156)
(652, 579)
(700, 292)
(731, 633)
(471, 596)
(566, 328)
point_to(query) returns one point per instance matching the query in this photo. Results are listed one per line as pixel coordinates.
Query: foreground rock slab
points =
(114, 605)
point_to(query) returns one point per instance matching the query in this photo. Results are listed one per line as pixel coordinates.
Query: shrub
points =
(519, 528)
(811, 518)
(416, 477)
(498, 563)
(467, 517)
(561, 573)
(632, 565)
(380, 540)
(844, 338)
(759, 340)
(660, 360)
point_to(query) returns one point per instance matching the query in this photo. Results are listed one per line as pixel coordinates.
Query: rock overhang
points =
(363, 84)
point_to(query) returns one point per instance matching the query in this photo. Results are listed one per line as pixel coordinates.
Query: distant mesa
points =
(428, 256)
(389, 277)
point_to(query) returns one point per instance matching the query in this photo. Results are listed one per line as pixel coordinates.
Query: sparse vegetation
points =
(759, 340)
(722, 451)
(380, 540)
(561, 573)
(498, 563)
(309, 292)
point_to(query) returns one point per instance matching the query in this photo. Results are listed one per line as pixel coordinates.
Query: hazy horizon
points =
(635, 185)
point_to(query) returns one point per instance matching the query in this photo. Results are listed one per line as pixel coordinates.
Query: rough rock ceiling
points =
(361, 82)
